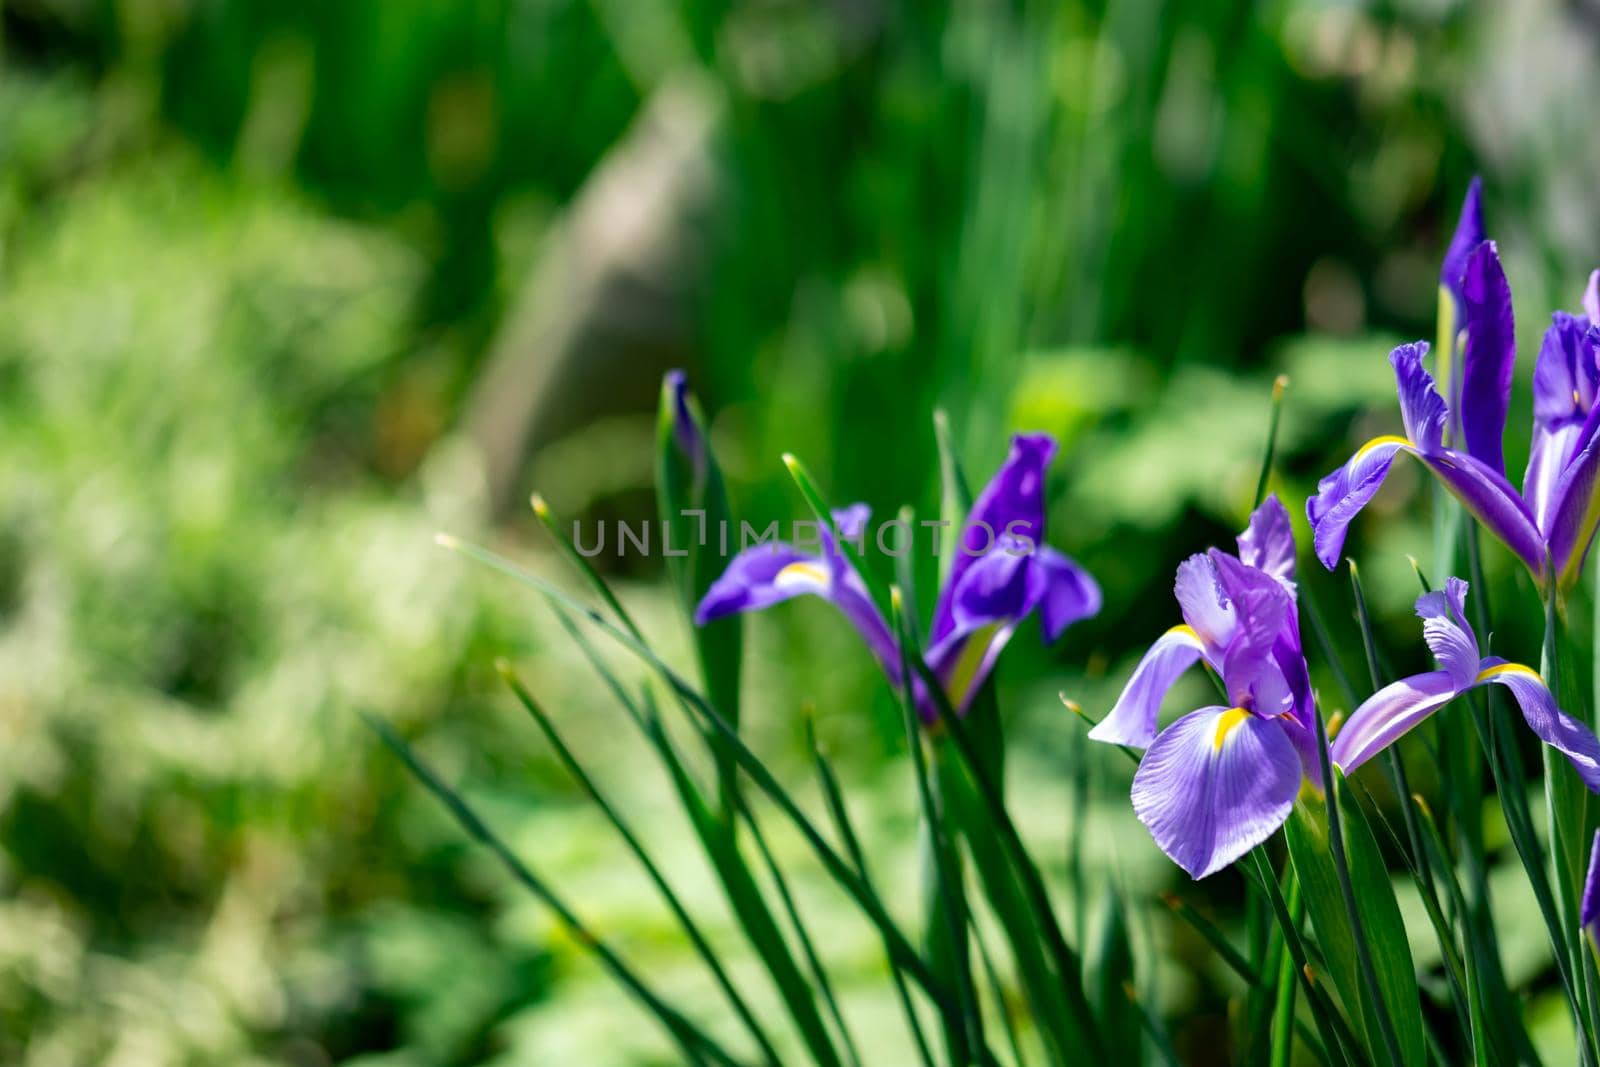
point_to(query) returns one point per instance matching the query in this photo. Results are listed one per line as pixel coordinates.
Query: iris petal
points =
(1575, 511)
(1204, 607)
(1133, 720)
(1214, 785)
(1012, 503)
(1342, 494)
(1268, 540)
(1447, 632)
(1589, 912)
(1468, 236)
(1552, 725)
(1250, 667)
(1422, 409)
(1386, 716)
(767, 574)
(1491, 500)
(759, 577)
(1491, 353)
(1070, 592)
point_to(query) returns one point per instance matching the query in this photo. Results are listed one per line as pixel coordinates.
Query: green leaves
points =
(697, 528)
(1392, 990)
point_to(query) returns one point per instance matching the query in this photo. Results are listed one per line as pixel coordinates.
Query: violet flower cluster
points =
(1551, 522)
(1222, 778)
(996, 581)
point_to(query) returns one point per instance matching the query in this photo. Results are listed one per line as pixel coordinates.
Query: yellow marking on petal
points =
(1183, 628)
(1226, 724)
(968, 662)
(1508, 668)
(808, 572)
(1383, 439)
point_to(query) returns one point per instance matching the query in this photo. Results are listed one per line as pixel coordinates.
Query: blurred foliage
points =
(254, 254)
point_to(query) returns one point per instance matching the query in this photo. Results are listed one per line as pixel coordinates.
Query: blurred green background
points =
(285, 287)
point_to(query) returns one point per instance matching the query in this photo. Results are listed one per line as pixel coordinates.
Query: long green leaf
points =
(695, 1043)
(915, 967)
(1392, 971)
(691, 929)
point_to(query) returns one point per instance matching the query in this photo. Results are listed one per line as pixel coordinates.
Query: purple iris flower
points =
(686, 431)
(1389, 713)
(1550, 524)
(1220, 780)
(1452, 302)
(1001, 574)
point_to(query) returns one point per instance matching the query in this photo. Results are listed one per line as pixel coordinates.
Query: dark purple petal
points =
(1565, 377)
(1268, 540)
(767, 574)
(1468, 236)
(1070, 592)
(1575, 513)
(1449, 636)
(998, 585)
(1589, 912)
(760, 576)
(1383, 718)
(1214, 785)
(1133, 721)
(1422, 409)
(1491, 500)
(685, 430)
(849, 593)
(1491, 354)
(963, 660)
(1552, 725)
(1205, 609)
(1342, 494)
(1011, 504)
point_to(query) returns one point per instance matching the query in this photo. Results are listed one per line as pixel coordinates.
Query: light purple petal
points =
(1204, 607)
(1268, 540)
(1342, 494)
(1388, 714)
(1491, 353)
(1070, 592)
(1468, 236)
(1549, 456)
(1422, 409)
(1447, 632)
(1591, 298)
(1012, 503)
(1250, 668)
(1552, 725)
(1133, 721)
(1214, 785)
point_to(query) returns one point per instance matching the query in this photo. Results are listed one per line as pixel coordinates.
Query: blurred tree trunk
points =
(602, 312)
